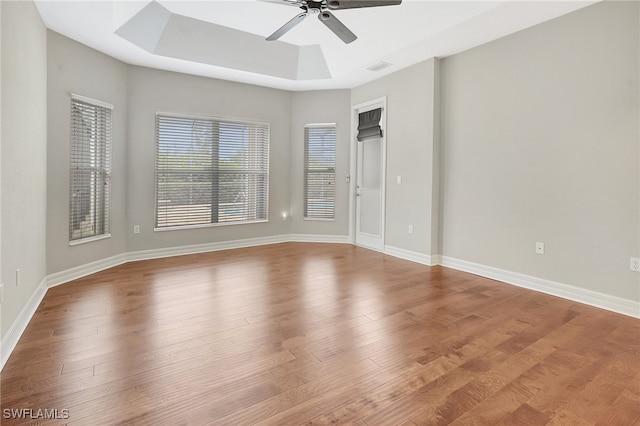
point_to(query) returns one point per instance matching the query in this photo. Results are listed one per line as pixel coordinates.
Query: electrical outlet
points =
(1, 293)
(136, 229)
(411, 229)
(17, 277)
(539, 248)
(634, 264)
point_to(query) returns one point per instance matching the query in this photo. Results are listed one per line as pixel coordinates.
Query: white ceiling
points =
(224, 39)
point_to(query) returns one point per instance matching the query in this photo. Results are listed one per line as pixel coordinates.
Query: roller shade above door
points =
(369, 124)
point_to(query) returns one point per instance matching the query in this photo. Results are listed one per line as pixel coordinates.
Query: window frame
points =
(305, 200)
(104, 167)
(215, 119)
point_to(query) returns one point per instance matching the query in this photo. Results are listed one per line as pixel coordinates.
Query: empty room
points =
(286, 212)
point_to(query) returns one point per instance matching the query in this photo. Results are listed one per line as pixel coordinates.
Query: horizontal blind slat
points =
(319, 171)
(210, 171)
(90, 170)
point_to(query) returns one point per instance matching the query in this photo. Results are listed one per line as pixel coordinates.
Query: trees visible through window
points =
(210, 171)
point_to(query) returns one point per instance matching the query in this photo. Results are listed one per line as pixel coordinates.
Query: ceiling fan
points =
(322, 9)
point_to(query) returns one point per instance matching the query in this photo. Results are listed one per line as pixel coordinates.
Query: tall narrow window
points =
(210, 171)
(90, 188)
(319, 171)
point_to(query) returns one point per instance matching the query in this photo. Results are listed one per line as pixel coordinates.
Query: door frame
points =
(353, 172)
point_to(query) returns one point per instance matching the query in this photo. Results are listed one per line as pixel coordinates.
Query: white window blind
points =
(90, 164)
(319, 171)
(210, 171)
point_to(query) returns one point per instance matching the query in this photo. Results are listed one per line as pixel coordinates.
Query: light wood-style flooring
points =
(298, 333)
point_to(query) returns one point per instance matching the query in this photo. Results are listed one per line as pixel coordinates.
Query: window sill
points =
(208, 225)
(89, 239)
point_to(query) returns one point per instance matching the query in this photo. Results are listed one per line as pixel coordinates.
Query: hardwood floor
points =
(318, 334)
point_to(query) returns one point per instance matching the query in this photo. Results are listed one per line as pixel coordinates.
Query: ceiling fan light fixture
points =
(333, 4)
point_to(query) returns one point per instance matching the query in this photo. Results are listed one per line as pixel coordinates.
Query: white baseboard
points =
(601, 300)
(413, 256)
(84, 270)
(203, 248)
(313, 238)
(228, 245)
(565, 291)
(11, 338)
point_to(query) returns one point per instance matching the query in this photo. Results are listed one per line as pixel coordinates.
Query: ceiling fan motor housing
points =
(322, 9)
(314, 5)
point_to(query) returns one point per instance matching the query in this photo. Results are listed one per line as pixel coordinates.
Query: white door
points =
(370, 185)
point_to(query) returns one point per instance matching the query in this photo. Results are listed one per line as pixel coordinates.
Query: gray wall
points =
(137, 93)
(540, 136)
(75, 68)
(151, 91)
(412, 152)
(328, 106)
(24, 155)
(541, 143)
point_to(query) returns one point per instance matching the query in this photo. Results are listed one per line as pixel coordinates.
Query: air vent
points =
(379, 66)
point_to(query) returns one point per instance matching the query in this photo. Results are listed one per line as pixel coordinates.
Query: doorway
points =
(368, 214)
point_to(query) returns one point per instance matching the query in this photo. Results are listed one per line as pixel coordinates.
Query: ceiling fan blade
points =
(353, 4)
(296, 3)
(336, 26)
(288, 26)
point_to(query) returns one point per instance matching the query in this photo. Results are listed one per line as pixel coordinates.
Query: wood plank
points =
(298, 333)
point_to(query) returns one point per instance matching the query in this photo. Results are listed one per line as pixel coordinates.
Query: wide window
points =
(319, 171)
(210, 171)
(90, 163)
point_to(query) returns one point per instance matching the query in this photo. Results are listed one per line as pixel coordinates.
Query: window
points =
(210, 171)
(90, 163)
(319, 171)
